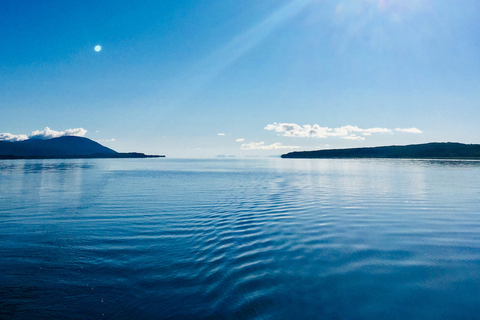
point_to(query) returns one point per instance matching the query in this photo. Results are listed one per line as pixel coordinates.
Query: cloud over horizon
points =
(44, 134)
(316, 131)
(12, 137)
(409, 130)
(261, 146)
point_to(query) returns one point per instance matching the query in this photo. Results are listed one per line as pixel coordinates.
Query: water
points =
(239, 239)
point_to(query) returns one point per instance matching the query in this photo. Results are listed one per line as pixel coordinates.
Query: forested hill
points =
(434, 150)
(61, 147)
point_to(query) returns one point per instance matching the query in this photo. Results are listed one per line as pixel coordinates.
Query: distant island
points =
(66, 147)
(433, 150)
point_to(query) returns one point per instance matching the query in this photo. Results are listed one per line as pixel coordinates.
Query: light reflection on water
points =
(239, 239)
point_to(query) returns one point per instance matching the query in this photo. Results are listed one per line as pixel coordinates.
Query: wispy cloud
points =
(353, 137)
(409, 130)
(316, 131)
(240, 140)
(221, 134)
(44, 134)
(262, 146)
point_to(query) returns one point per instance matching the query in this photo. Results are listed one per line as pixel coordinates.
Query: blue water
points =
(239, 239)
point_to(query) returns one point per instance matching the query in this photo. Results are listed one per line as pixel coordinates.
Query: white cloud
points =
(262, 146)
(353, 137)
(221, 134)
(240, 140)
(48, 133)
(107, 140)
(409, 130)
(316, 131)
(12, 137)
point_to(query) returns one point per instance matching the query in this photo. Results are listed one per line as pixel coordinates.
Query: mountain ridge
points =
(431, 150)
(61, 147)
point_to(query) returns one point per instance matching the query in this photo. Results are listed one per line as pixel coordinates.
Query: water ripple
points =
(277, 239)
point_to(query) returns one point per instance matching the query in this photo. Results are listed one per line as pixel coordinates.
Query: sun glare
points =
(98, 48)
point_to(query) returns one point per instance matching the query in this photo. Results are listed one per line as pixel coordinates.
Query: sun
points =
(98, 48)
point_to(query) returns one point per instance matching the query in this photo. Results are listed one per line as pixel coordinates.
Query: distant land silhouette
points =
(62, 147)
(433, 150)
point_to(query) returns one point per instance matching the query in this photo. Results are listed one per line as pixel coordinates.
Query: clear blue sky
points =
(190, 78)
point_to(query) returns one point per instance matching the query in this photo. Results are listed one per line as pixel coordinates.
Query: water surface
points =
(239, 239)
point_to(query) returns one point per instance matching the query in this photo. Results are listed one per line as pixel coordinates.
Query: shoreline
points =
(100, 156)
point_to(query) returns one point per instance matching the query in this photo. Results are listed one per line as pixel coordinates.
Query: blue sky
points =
(243, 78)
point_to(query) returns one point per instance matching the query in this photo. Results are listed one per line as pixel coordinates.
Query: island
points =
(65, 147)
(433, 150)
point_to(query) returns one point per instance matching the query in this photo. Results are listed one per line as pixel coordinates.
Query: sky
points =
(243, 78)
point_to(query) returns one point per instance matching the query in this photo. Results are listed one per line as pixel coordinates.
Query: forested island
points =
(66, 147)
(433, 150)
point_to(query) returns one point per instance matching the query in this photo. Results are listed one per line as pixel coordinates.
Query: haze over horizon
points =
(243, 78)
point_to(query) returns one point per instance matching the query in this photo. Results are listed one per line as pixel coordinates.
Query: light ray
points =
(205, 71)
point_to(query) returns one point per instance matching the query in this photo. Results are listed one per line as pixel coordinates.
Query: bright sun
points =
(98, 48)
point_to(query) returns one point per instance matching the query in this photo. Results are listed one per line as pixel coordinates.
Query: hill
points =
(62, 147)
(433, 150)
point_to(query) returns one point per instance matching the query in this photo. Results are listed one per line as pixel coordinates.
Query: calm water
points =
(239, 239)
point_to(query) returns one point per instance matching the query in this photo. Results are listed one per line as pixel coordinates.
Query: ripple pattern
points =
(239, 239)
